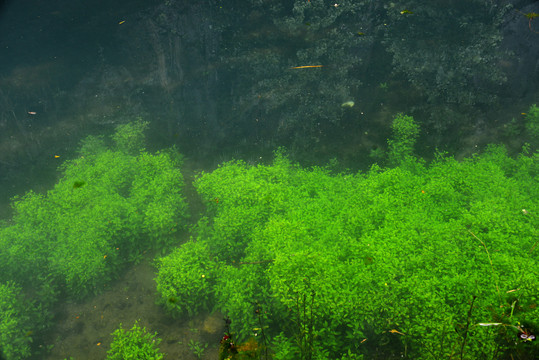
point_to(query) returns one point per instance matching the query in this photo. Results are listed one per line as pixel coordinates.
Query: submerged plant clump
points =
(136, 343)
(113, 203)
(15, 323)
(407, 261)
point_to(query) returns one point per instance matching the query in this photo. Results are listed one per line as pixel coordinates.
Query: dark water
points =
(219, 79)
(216, 78)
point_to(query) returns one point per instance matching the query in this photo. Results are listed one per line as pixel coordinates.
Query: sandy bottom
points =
(83, 330)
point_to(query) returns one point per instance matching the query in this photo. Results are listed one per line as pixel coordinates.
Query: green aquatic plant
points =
(401, 145)
(387, 254)
(129, 138)
(16, 327)
(110, 206)
(186, 289)
(135, 343)
(197, 348)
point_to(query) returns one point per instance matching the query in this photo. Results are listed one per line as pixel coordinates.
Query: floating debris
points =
(306, 66)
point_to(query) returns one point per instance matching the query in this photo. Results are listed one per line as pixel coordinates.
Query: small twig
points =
(467, 326)
(258, 312)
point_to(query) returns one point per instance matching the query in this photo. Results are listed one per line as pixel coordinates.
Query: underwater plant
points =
(135, 343)
(112, 203)
(381, 264)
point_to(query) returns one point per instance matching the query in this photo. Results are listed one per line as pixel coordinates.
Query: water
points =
(220, 80)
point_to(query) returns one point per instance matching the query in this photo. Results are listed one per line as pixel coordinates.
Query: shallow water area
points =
(83, 329)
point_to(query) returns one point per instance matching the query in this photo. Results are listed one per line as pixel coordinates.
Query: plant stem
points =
(467, 326)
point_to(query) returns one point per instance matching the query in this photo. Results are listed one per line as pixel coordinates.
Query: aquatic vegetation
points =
(382, 264)
(197, 348)
(405, 133)
(112, 204)
(15, 323)
(135, 343)
(88, 232)
(186, 289)
(129, 138)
